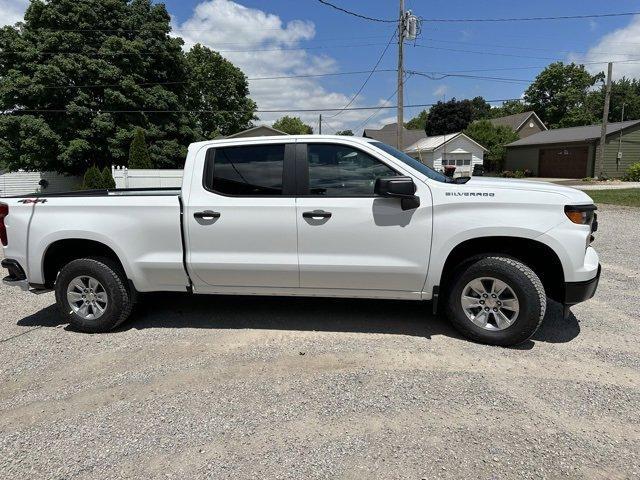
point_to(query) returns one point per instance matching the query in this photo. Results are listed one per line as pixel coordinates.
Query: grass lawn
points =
(627, 196)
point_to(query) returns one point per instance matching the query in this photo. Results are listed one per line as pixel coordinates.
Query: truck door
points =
(350, 239)
(240, 219)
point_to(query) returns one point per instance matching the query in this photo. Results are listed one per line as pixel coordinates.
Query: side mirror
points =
(398, 187)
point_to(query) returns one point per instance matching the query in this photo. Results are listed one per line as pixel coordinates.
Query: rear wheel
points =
(497, 300)
(92, 294)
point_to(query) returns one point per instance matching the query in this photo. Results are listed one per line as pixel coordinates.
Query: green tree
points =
(493, 138)
(92, 179)
(449, 117)
(292, 126)
(70, 64)
(138, 152)
(480, 108)
(559, 95)
(28, 142)
(625, 91)
(220, 88)
(347, 133)
(419, 122)
(510, 107)
(107, 178)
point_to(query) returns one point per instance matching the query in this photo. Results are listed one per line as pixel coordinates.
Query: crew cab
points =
(311, 215)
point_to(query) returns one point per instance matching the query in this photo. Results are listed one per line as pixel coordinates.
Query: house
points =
(452, 149)
(524, 124)
(574, 152)
(257, 131)
(389, 135)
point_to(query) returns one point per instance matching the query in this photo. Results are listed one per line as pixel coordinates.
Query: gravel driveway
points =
(237, 387)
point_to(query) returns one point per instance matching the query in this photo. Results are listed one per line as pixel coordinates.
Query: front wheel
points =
(498, 301)
(92, 294)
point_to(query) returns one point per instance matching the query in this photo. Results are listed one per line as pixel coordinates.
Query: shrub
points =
(528, 173)
(633, 173)
(92, 179)
(107, 178)
(508, 174)
(138, 152)
(519, 174)
(587, 179)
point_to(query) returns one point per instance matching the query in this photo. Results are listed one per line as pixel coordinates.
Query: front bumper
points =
(16, 277)
(576, 292)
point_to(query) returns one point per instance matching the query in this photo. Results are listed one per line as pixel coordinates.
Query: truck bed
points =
(141, 226)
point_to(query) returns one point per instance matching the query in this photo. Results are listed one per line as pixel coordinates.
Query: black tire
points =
(114, 282)
(528, 289)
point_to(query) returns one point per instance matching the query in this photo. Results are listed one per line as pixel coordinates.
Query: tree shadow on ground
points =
(395, 317)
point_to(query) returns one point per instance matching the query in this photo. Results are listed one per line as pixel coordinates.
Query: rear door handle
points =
(316, 214)
(206, 215)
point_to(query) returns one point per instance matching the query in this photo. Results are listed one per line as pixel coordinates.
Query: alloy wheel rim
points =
(87, 297)
(490, 303)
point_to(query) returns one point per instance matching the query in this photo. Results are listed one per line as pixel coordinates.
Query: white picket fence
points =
(24, 183)
(142, 178)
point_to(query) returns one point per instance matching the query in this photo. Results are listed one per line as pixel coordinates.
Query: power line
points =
(349, 12)
(279, 77)
(406, 77)
(475, 77)
(528, 19)
(479, 52)
(368, 78)
(531, 67)
(292, 110)
(517, 55)
(516, 47)
(116, 53)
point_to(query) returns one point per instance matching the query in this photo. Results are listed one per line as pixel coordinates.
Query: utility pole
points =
(605, 117)
(400, 95)
(619, 155)
(320, 125)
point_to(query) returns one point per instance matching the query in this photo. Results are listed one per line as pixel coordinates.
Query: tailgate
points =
(16, 224)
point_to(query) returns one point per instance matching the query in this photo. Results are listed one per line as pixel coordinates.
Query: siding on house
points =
(522, 158)
(526, 130)
(431, 151)
(630, 148)
(520, 123)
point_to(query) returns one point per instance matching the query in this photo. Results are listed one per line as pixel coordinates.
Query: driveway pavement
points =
(248, 387)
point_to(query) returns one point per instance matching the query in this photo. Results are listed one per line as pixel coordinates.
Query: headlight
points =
(581, 214)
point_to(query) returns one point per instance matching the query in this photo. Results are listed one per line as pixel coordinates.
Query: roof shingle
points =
(388, 135)
(571, 134)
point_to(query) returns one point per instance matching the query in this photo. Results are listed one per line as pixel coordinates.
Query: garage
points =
(567, 162)
(574, 152)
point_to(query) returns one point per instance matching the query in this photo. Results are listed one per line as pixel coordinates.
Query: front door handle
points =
(206, 215)
(316, 214)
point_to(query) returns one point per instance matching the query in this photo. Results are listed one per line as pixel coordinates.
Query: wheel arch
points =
(61, 252)
(541, 258)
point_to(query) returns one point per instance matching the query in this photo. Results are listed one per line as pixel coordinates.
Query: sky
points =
(274, 38)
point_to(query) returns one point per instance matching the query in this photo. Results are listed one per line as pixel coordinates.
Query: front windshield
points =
(413, 163)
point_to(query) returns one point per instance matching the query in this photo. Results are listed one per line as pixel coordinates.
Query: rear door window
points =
(252, 170)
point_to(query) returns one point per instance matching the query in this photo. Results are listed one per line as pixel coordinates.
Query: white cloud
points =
(617, 46)
(229, 27)
(440, 90)
(12, 11)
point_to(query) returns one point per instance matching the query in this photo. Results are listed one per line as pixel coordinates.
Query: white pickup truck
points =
(311, 215)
